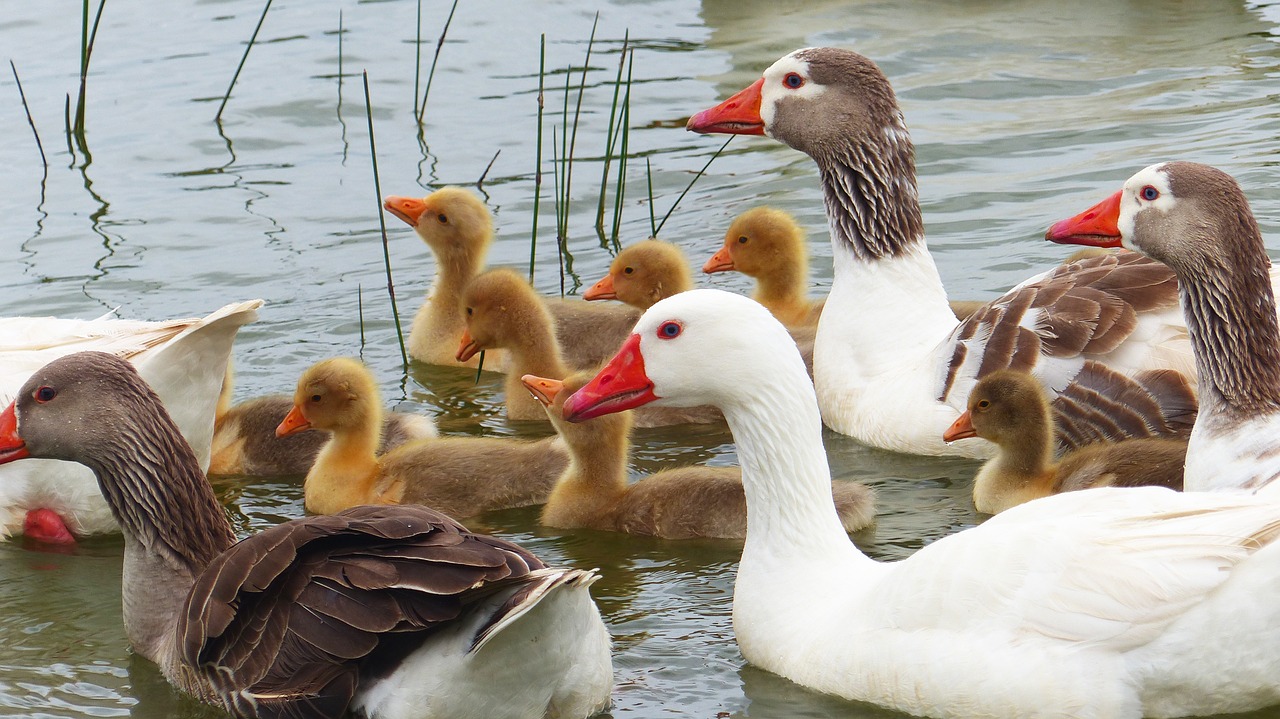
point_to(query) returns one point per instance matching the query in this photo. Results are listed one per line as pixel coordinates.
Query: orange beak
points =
(1097, 226)
(739, 115)
(409, 209)
(292, 423)
(962, 428)
(719, 262)
(544, 390)
(602, 290)
(11, 445)
(468, 347)
(622, 384)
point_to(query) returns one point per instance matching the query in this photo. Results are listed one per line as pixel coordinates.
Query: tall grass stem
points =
(227, 95)
(382, 223)
(422, 109)
(30, 121)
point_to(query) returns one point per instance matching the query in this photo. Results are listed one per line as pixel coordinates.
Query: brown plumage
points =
(503, 311)
(677, 503)
(460, 476)
(245, 441)
(1010, 409)
(642, 274)
(458, 228)
(298, 620)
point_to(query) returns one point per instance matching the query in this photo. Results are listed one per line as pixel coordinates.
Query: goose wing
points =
(282, 623)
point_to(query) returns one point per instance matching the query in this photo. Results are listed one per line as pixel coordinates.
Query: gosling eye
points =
(444, 219)
(44, 394)
(743, 240)
(793, 80)
(628, 270)
(984, 403)
(469, 311)
(669, 330)
(315, 398)
(1149, 193)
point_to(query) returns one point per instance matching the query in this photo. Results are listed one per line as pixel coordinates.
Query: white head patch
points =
(1147, 189)
(778, 81)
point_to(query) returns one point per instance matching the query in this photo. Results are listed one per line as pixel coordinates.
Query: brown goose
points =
(457, 227)
(1195, 219)
(642, 274)
(503, 311)
(245, 441)
(677, 503)
(1009, 408)
(460, 476)
(892, 365)
(383, 611)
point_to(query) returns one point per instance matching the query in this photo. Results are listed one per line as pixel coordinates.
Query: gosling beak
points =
(543, 389)
(408, 209)
(292, 423)
(962, 428)
(602, 290)
(719, 262)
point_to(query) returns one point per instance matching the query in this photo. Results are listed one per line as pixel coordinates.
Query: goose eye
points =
(669, 330)
(444, 219)
(743, 240)
(1149, 193)
(793, 80)
(628, 270)
(44, 394)
(983, 403)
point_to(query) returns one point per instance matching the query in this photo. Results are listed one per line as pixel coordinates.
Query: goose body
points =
(1009, 409)
(458, 228)
(892, 364)
(1117, 603)
(183, 359)
(391, 611)
(676, 503)
(460, 476)
(1196, 219)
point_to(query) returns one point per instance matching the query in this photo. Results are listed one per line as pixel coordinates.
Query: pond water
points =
(1023, 112)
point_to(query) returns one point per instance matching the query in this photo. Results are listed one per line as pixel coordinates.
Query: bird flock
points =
(1126, 403)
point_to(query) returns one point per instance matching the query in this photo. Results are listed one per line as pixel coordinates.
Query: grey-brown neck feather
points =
(1237, 342)
(871, 197)
(154, 485)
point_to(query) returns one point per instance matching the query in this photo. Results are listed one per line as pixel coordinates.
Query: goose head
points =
(1001, 408)
(450, 220)
(1177, 212)
(642, 274)
(758, 241)
(334, 395)
(817, 100)
(501, 309)
(687, 350)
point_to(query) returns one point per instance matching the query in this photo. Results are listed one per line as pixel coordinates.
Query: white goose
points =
(892, 364)
(1100, 603)
(1196, 219)
(184, 359)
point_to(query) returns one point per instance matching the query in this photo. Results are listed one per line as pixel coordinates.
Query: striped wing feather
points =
(293, 615)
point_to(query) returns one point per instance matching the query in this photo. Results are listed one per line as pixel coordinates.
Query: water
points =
(1023, 111)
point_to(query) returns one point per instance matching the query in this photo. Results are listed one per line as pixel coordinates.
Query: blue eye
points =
(793, 80)
(669, 330)
(1150, 193)
(44, 394)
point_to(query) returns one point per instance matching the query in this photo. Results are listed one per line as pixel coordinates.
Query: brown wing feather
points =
(1082, 308)
(1102, 405)
(290, 615)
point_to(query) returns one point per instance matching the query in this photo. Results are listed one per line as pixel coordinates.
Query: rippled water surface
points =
(1023, 111)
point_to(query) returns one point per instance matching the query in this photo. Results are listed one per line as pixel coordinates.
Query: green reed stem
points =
(690, 185)
(417, 59)
(648, 172)
(537, 175)
(86, 53)
(610, 138)
(227, 95)
(30, 121)
(625, 131)
(382, 223)
(422, 109)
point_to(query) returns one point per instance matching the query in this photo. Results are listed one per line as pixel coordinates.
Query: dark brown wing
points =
(1082, 308)
(282, 623)
(1102, 405)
